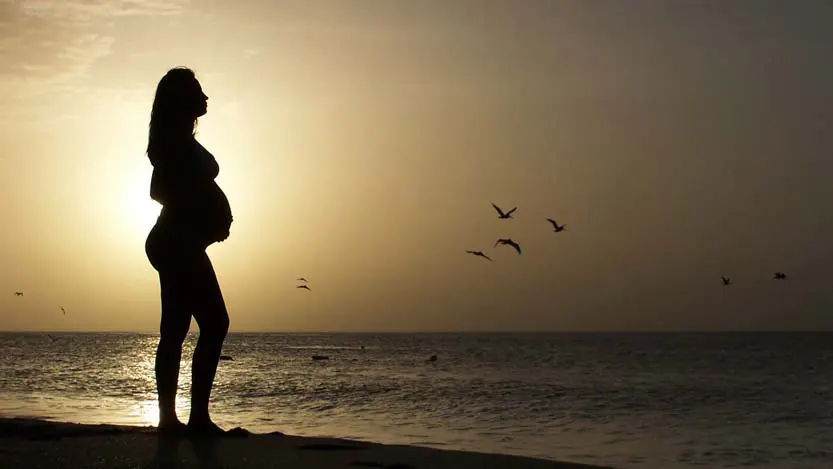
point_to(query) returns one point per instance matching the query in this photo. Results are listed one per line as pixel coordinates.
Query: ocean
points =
(631, 401)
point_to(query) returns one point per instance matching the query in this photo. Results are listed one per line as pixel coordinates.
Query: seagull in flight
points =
(303, 286)
(779, 276)
(479, 253)
(509, 242)
(726, 280)
(302, 279)
(501, 214)
(18, 293)
(555, 226)
(63, 311)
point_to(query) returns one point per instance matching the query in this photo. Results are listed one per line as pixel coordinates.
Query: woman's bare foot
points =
(210, 429)
(204, 428)
(171, 427)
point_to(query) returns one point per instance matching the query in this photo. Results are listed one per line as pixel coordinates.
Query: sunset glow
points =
(361, 143)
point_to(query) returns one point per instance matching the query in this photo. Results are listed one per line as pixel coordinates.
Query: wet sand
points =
(33, 443)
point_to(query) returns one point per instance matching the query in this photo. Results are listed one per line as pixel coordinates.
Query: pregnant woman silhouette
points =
(195, 214)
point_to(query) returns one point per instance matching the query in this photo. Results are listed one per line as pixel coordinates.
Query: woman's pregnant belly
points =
(203, 217)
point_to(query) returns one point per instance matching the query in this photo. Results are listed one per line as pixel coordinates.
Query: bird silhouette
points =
(509, 242)
(479, 253)
(726, 280)
(303, 286)
(501, 214)
(53, 339)
(432, 358)
(779, 276)
(555, 226)
(63, 311)
(18, 293)
(302, 279)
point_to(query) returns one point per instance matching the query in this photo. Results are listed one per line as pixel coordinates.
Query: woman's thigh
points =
(190, 287)
(187, 279)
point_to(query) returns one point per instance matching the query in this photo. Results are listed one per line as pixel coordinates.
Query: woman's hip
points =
(168, 247)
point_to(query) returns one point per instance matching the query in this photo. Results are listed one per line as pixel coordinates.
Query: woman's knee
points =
(170, 344)
(215, 329)
(173, 327)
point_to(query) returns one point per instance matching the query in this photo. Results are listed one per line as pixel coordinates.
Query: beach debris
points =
(509, 242)
(555, 226)
(432, 358)
(501, 214)
(480, 254)
(320, 357)
(226, 357)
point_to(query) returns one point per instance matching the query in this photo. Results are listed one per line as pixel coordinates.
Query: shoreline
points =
(35, 443)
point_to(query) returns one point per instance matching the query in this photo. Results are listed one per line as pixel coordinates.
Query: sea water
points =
(631, 401)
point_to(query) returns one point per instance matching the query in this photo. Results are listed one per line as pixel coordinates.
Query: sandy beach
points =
(41, 444)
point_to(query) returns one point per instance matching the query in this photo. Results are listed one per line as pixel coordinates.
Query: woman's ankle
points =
(199, 419)
(168, 418)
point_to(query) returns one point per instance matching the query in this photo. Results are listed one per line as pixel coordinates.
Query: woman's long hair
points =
(172, 120)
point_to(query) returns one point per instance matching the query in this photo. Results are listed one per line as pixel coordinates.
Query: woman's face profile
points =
(199, 100)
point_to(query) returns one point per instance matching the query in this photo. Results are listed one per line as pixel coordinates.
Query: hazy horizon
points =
(360, 144)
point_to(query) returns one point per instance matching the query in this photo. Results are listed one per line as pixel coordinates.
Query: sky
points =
(361, 143)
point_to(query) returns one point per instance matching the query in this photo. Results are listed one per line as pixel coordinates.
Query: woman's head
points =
(178, 102)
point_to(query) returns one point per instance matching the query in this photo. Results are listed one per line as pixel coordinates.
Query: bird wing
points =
(510, 212)
(515, 245)
(554, 224)
(499, 211)
(471, 252)
(484, 255)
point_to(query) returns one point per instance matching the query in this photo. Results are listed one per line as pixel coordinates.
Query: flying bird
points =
(509, 242)
(303, 286)
(726, 280)
(18, 293)
(479, 253)
(302, 279)
(555, 226)
(63, 311)
(779, 276)
(501, 214)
